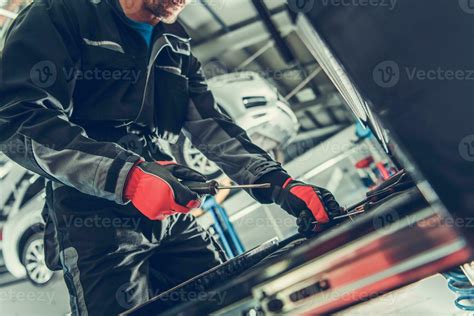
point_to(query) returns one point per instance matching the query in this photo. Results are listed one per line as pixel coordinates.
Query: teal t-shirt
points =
(145, 29)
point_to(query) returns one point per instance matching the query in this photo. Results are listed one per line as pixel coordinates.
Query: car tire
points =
(188, 155)
(33, 259)
(183, 152)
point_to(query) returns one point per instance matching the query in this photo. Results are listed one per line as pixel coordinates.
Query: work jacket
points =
(76, 79)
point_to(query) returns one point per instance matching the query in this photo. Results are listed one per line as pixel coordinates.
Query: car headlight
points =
(250, 102)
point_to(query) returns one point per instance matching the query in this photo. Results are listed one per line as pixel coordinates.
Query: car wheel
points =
(188, 155)
(33, 259)
(278, 155)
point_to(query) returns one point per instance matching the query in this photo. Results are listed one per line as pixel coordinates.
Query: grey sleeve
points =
(224, 142)
(35, 99)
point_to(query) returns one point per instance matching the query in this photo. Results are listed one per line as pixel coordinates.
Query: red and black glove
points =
(155, 189)
(313, 207)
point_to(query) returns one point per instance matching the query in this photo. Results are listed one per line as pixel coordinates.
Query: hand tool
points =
(212, 187)
(349, 214)
(384, 190)
(356, 209)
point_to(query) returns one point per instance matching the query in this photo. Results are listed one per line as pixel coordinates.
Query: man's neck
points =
(135, 10)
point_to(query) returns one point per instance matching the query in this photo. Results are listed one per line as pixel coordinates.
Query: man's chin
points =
(167, 16)
(169, 19)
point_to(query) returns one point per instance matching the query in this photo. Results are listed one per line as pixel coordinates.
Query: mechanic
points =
(71, 128)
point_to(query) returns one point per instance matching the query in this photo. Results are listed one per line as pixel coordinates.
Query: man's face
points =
(166, 10)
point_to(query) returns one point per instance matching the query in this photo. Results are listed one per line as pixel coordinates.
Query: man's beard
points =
(165, 10)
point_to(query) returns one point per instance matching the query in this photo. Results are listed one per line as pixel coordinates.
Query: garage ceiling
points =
(234, 35)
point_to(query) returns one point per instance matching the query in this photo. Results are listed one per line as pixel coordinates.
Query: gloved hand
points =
(154, 188)
(313, 207)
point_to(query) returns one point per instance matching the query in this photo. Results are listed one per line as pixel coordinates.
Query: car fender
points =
(15, 228)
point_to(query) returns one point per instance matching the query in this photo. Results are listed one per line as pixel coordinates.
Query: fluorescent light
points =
(8, 14)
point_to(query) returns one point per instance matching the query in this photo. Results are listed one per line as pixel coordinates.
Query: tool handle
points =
(202, 188)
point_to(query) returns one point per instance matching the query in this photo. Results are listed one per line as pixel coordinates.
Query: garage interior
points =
(408, 251)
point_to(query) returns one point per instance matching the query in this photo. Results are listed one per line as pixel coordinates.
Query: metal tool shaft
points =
(345, 215)
(349, 214)
(213, 187)
(245, 186)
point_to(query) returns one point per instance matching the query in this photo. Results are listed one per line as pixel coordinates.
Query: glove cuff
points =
(131, 183)
(277, 178)
(165, 162)
(287, 182)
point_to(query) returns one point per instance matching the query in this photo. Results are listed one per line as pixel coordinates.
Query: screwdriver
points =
(212, 187)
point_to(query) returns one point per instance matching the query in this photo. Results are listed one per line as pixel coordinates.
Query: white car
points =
(21, 226)
(246, 97)
(23, 251)
(255, 105)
